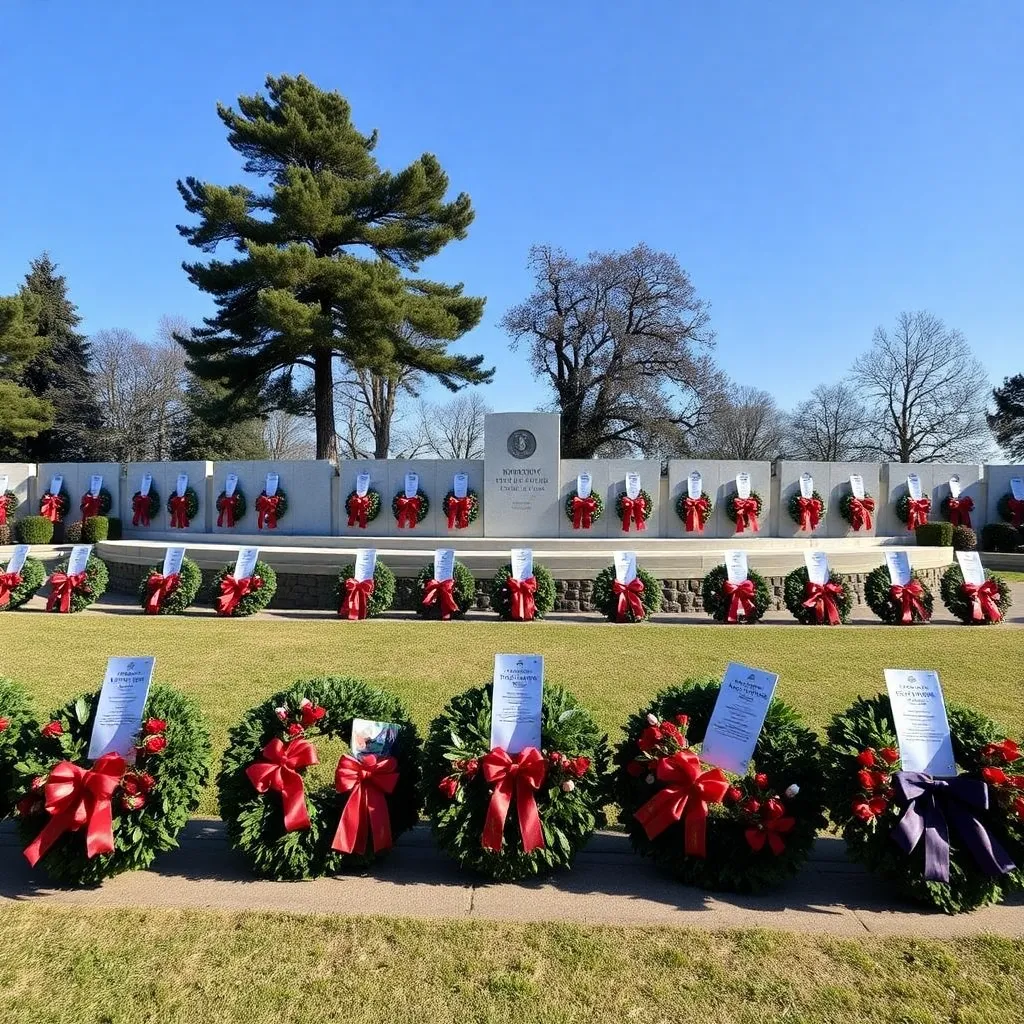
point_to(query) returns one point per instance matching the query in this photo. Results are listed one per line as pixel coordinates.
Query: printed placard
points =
(270, 486)
(173, 557)
(230, 484)
(460, 485)
(245, 563)
(120, 707)
(914, 486)
(78, 559)
(362, 484)
(522, 563)
(412, 484)
(857, 485)
(736, 722)
(516, 706)
(584, 485)
(954, 486)
(736, 567)
(806, 485)
(921, 724)
(444, 564)
(366, 564)
(376, 738)
(5, 483)
(971, 567)
(743, 485)
(144, 486)
(633, 485)
(898, 563)
(817, 566)
(17, 560)
(1017, 487)
(96, 484)
(694, 485)
(625, 566)
(56, 483)
(181, 485)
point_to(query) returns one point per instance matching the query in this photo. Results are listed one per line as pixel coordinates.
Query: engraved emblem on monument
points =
(521, 444)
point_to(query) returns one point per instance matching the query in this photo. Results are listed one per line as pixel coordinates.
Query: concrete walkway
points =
(608, 885)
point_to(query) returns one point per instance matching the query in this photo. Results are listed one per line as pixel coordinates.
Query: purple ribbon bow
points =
(931, 805)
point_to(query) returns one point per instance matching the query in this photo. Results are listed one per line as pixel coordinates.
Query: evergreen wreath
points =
(474, 507)
(105, 502)
(730, 507)
(424, 506)
(543, 598)
(716, 602)
(794, 593)
(384, 588)
(760, 827)
(152, 802)
(967, 506)
(604, 598)
(572, 769)
(279, 511)
(191, 502)
(877, 597)
(236, 513)
(95, 585)
(953, 597)
(705, 511)
(1003, 507)
(793, 506)
(153, 506)
(261, 594)
(570, 511)
(903, 508)
(860, 761)
(33, 576)
(847, 513)
(463, 592)
(372, 511)
(620, 510)
(9, 501)
(182, 596)
(291, 721)
(16, 722)
(55, 506)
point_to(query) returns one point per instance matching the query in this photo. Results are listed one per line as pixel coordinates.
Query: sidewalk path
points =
(608, 885)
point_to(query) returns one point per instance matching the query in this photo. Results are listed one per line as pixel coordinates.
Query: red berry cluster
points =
(875, 779)
(135, 788)
(4, 724)
(658, 740)
(762, 809)
(153, 740)
(561, 769)
(297, 722)
(1005, 775)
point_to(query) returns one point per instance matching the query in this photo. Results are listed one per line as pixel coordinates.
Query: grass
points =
(231, 665)
(143, 967)
(1012, 577)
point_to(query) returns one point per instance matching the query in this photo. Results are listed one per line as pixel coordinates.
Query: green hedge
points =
(34, 530)
(934, 535)
(996, 537)
(95, 529)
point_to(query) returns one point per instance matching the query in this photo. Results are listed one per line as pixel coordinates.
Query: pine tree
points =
(22, 415)
(323, 258)
(1007, 423)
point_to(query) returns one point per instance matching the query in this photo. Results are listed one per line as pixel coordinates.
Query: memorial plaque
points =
(521, 491)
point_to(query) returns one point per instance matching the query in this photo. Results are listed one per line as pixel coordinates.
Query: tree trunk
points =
(323, 399)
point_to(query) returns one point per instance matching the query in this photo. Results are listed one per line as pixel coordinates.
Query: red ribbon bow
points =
(860, 513)
(408, 511)
(810, 513)
(696, 511)
(521, 592)
(746, 514)
(633, 510)
(90, 505)
(368, 783)
(441, 590)
(62, 586)
(741, 599)
(770, 832)
(685, 798)
(357, 596)
(158, 589)
(629, 599)
(9, 582)
(514, 777)
(984, 599)
(76, 798)
(227, 505)
(909, 598)
(960, 510)
(917, 512)
(266, 511)
(232, 591)
(179, 511)
(140, 510)
(50, 507)
(1016, 507)
(458, 512)
(279, 772)
(583, 510)
(822, 598)
(358, 510)
(3, 509)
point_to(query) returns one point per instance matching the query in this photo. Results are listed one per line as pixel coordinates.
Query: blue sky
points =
(816, 167)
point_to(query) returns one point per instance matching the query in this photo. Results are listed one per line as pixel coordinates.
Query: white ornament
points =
(649, 780)
(568, 786)
(282, 713)
(791, 791)
(652, 719)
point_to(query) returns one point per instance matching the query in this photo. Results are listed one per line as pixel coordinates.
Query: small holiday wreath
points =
(461, 512)
(8, 507)
(709, 828)
(447, 599)
(735, 602)
(16, 722)
(695, 512)
(894, 604)
(913, 512)
(270, 508)
(957, 510)
(522, 600)
(362, 509)
(975, 605)
(857, 511)
(1011, 509)
(183, 508)
(18, 588)
(55, 506)
(283, 829)
(366, 599)
(171, 594)
(238, 598)
(817, 604)
(895, 822)
(95, 504)
(230, 508)
(86, 821)
(410, 511)
(583, 512)
(145, 507)
(635, 511)
(745, 512)
(626, 602)
(75, 593)
(807, 513)
(557, 791)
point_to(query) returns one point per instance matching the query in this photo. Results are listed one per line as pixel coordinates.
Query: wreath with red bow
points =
(461, 512)
(357, 600)
(362, 509)
(76, 593)
(974, 605)
(172, 594)
(732, 603)
(16, 720)
(230, 510)
(957, 510)
(285, 813)
(270, 509)
(745, 512)
(450, 599)
(183, 508)
(916, 833)
(895, 605)
(633, 513)
(408, 512)
(239, 598)
(95, 504)
(85, 821)
(695, 512)
(816, 604)
(145, 507)
(8, 507)
(807, 513)
(626, 602)
(708, 827)
(913, 512)
(55, 507)
(512, 816)
(858, 512)
(583, 512)
(522, 600)
(18, 588)
(1011, 510)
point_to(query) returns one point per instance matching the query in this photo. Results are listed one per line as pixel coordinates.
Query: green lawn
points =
(1012, 577)
(231, 665)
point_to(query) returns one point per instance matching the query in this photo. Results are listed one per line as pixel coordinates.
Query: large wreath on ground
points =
(959, 514)
(752, 516)
(191, 507)
(897, 605)
(288, 832)
(270, 508)
(65, 797)
(447, 600)
(362, 509)
(18, 588)
(635, 511)
(230, 509)
(816, 604)
(1012, 514)
(584, 512)
(626, 602)
(170, 595)
(903, 509)
(747, 602)
(55, 506)
(980, 606)
(702, 509)
(16, 722)
(76, 593)
(857, 515)
(760, 827)
(410, 511)
(522, 601)
(359, 601)
(865, 793)
(238, 598)
(145, 507)
(460, 516)
(8, 507)
(534, 810)
(816, 509)
(95, 505)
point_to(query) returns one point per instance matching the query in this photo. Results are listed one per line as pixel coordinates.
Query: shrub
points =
(34, 530)
(114, 530)
(6, 533)
(95, 529)
(934, 535)
(995, 537)
(964, 539)
(73, 532)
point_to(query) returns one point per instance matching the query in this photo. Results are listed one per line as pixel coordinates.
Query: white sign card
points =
(17, 560)
(230, 483)
(79, 558)
(743, 485)
(522, 563)
(120, 708)
(377, 738)
(738, 717)
(5, 482)
(898, 563)
(147, 482)
(56, 483)
(273, 479)
(181, 485)
(173, 557)
(460, 485)
(954, 487)
(694, 485)
(95, 485)
(584, 485)
(971, 567)
(516, 705)
(625, 566)
(412, 484)
(806, 485)
(736, 567)
(245, 563)
(914, 486)
(444, 564)
(857, 485)
(633, 485)
(366, 564)
(921, 725)
(1017, 487)
(362, 484)
(817, 566)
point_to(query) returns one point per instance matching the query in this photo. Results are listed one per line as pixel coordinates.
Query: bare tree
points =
(455, 429)
(288, 437)
(623, 341)
(925, 391)
(745, 423)
(830, 426)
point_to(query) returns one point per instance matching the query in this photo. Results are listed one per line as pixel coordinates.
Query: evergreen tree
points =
(22, 415)
(1007, 423)
(322, 259)
(201, 437)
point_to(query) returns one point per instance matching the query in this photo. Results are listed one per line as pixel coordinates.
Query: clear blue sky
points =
(816, 166)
